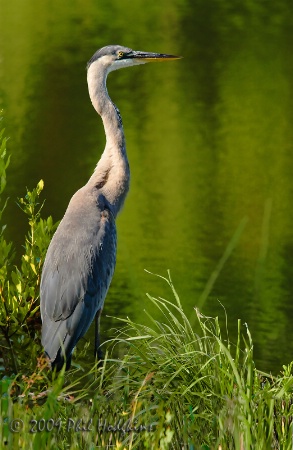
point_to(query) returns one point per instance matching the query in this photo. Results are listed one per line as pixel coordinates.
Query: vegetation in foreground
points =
(175, 387)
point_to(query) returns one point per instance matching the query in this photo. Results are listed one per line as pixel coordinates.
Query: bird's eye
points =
(120, 54)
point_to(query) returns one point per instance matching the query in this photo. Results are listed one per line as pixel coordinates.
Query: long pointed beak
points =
(151, 57)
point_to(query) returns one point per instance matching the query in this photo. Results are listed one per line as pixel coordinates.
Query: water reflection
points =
(209, 140)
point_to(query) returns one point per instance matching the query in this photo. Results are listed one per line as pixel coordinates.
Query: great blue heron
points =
(81, 257)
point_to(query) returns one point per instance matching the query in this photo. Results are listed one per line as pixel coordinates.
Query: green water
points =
(209, 139)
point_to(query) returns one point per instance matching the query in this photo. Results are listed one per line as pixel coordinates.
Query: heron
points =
(80, 260)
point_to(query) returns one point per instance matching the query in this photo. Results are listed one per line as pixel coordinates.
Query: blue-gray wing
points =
(77, 272)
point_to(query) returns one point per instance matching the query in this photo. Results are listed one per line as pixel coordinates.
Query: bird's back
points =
(77, 272)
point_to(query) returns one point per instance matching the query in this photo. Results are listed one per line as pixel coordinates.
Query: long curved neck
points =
(112, 171)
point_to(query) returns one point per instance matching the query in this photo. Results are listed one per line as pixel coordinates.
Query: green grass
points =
(180, 384)
(174, 388)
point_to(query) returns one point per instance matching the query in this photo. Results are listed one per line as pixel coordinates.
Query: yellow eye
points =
(120, 54)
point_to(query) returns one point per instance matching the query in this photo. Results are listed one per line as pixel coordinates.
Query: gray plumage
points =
(81, 257)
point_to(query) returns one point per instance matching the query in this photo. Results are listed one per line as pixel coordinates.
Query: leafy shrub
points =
(19, 286)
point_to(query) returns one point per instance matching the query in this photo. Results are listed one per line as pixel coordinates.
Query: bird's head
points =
(114, 57)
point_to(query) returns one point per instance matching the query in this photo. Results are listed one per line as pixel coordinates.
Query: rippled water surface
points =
(209, 139)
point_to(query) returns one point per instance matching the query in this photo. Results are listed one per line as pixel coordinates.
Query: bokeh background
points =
(209, 140)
